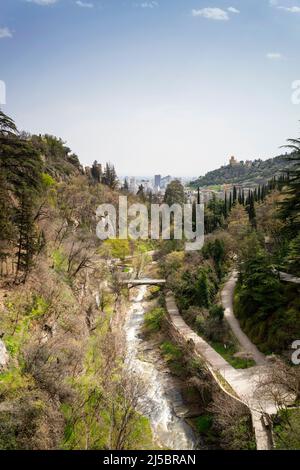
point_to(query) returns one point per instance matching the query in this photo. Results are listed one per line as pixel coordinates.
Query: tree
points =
(251, 209)
(110, 176)
(290, 206)
(292, 260)
(21, 183)
(27, 236)
(96, 172)
(261, 292)
(141, 193)
(174, 193)
(234, 195)
(125, 187)
(238, 224)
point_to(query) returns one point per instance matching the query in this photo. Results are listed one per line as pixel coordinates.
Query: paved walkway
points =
(244, 383)
(289, 278)
(227, 302)
(143, 282)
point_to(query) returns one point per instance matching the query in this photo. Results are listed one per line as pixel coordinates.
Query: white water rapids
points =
(161, 396)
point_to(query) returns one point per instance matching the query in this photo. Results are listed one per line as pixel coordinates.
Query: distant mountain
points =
(247, 174)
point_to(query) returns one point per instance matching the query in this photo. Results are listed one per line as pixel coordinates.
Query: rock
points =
(4, 357)
(243, 355)
(271, 358)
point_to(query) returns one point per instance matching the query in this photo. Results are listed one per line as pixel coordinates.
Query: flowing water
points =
(161, 401)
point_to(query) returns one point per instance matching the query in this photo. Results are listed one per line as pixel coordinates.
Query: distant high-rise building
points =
(157, 181)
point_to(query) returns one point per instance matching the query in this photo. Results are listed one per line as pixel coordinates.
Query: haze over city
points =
(171, 87)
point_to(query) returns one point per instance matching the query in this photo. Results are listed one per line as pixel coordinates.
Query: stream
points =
(161, 402)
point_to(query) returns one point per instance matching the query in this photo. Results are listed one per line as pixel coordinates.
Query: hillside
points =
(247, 174)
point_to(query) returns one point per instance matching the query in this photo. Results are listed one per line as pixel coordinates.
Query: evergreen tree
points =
(96, 172)
(141, 193)
(234, 197)
(125, 188)
(110, 176)
(230, 202)
(174, 193)
(21, 182)
(225, 206)
(198, 196)
(290, 207)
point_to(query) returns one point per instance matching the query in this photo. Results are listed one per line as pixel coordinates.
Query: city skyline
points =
(154, 86)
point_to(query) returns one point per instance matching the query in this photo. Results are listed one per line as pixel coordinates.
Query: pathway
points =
(227, 302)
(143, 282)
(289, 278)
(244, 383)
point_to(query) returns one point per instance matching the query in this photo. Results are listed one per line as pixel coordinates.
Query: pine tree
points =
(96, 172)
(198, 196)
(234, 197)
(141, 193)
(225, 206)
(125, 188)
(230, 202)
(27, 238)
(110, 177)
(290, 207)
(21, 183)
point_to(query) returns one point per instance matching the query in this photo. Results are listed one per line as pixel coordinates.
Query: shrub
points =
(153, 320)
(217, 311)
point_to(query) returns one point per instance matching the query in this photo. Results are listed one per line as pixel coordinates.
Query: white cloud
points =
(274, 56)
(294, 9)
(290, 9)
(42, 2)
(84, 4)
(148, 4)
(5, 33)
(212, 14)
(233, 10)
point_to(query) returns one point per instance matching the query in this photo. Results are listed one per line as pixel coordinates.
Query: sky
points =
(168, 86)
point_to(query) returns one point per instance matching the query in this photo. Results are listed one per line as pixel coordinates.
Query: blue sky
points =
(166, 86)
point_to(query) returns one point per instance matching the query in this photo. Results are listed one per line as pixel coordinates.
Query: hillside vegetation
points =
(255, 173)
(64, 385)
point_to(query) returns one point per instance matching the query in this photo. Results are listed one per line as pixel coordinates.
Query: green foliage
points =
(153, 320)
(203, 423)
(260, 291)
(214, 214)
(21, 184)
(217, 311)
(197, 289)
(59, 162)
(47, 180)
(228, 351)
(174, 357)
(267, 308)
(292, 260)
(286, 430)
(240, 435)
(256, 173)
(174, 193)
(118, 248)
(60, 262)
(216, 250)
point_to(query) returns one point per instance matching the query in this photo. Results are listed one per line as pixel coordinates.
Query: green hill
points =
(246, 174)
